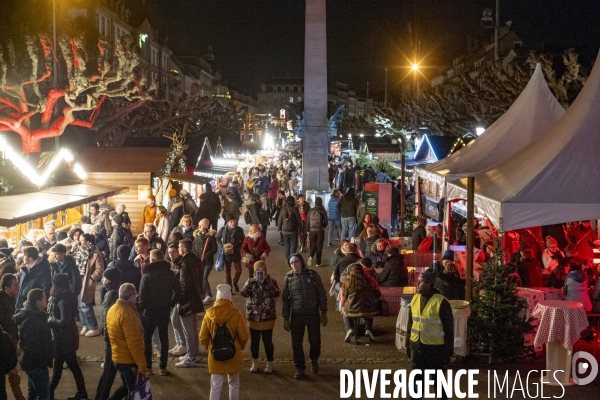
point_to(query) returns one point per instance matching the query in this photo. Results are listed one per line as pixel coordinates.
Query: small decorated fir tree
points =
(496, 325)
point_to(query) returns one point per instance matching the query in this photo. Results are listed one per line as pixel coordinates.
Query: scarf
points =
(254, 236)
(82, 255)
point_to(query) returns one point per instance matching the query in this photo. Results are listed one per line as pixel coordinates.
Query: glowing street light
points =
(415, 67)
(479, 130)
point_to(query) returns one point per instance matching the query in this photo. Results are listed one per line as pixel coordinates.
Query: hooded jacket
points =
(343, 263)
(70, 268)
(231, 210)
(224, 312)
(451, 286)
(395, 273)
(35, 338)
(293, 215)
(110, 298)
(361, 303)
(576, 289)
(159, 288)
(129, 273)
(202, 240)
(121, 236)
(254, 208)
(62, 309)
(303, 293)
(126, 335)
(38, 276)
(261, 299)
(190, 278)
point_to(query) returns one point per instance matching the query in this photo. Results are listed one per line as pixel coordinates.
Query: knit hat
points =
(61, 280)
(151, 197)
(366, 262)
(392, 251)
(260, 264)
(224, 292)
(113, 274)
(118, 219)
(183, 192)
(552, 241)
(429, 276)
(172, 193)
(61, 236)
(448, 255)
(123, 252)
(204, 223)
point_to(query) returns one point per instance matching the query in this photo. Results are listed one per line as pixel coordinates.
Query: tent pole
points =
(470, 217)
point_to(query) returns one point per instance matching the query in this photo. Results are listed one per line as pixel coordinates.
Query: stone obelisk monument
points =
(316, 125)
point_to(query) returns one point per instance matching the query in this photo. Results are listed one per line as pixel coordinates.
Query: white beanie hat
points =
(224, 292)
(204, 222)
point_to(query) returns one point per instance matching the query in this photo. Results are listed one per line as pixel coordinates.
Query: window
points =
(291, 99)
(251, 137)
(153, 56)
(517, 45)
(250, 127)
(299, 99)
(165, 61)
(243, 137)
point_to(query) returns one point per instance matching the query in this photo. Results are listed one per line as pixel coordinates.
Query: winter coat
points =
(273, 189)
(148, 215)
(7, 311)
(332, 211)
(377, 256)
(224, 312)
(110, 298)
(395, 201)
(129, 273)
(191, 208)
(155, 243)
(260, 305)
(261, 185)
(293, 215)
(395, 273)
(190, 278)
(70, 268)
(211, 206)
(596, 299)
(102, 246)
(121, 235)
(39, 276)
(175, 215)
(126, 335)
(348, 207)
(254, 208)
(317, 219)
(361, 303)
(367, 245)
(576, 289)
(62, 309)
(162, 228)
(207, 240)
(343, 263)
(186, 233)
(303, 293)
(35, 337)
(159, 287)
(93, 273)
(44, 245)
(254, 248)
(451, 286)
(103, 222)
(530, 272)
(231, 210)
(419, 234)
(8, 354)
(235, 237)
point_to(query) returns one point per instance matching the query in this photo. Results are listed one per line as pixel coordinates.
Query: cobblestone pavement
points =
(193, 383)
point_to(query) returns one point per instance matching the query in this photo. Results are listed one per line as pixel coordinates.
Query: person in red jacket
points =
(254, 248)
(272, 193)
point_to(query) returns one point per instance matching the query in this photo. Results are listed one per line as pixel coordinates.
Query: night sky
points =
(258, 39)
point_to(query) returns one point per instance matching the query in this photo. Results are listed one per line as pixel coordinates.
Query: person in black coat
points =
(205, 248)
(129, 273)
(232, 234)
(36, 271)
(8, 360)
(210, 206)
(159, 291)
(176, 212)
(65, 264)
(395, 273)
(35, 341)
(350, 251)
(62, 308)
(111, 280)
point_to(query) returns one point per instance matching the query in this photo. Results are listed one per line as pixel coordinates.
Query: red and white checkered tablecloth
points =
(393, 295)
(560, 321)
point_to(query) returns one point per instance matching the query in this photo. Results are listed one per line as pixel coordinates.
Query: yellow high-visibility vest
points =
(427, 326)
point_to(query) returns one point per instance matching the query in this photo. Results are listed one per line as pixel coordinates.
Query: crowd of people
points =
(161, 278)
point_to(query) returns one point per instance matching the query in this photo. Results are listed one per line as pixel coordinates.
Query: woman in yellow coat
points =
(224, 312)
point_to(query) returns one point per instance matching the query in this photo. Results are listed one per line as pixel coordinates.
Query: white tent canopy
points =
(533, 114)
(555, 179)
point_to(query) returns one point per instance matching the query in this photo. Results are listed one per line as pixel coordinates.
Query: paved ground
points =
(194, 383)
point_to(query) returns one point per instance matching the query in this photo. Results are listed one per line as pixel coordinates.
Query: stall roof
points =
(553, 180)
(25, 207)
(123, 159)
(189, 178)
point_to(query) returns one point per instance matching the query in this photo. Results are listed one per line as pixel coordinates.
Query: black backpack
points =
(288, 223)
(223, 346)
(247, 217)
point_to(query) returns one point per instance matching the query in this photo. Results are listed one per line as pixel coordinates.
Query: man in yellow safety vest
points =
(430, 330)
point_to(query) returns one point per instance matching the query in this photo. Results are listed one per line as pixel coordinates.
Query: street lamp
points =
(415, 67)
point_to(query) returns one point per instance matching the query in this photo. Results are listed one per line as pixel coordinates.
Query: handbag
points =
(383, 308)
(141, 390)
(220, 261)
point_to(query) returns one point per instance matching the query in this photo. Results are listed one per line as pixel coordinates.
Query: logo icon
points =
(581, 368)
